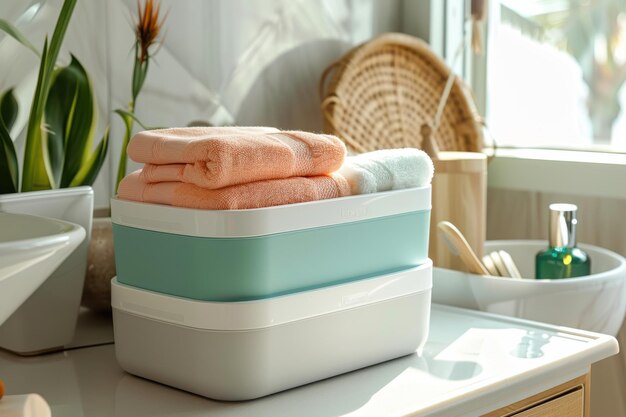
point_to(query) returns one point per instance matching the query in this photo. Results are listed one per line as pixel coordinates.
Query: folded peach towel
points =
(257, 194)
(216, 157)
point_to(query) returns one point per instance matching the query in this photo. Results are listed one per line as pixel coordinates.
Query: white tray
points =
(269, 220)
(245, 350)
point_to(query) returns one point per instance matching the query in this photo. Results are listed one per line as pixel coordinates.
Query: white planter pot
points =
(47, 319)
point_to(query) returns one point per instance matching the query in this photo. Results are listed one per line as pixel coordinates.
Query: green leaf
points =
(59, 108)
(59, 32)
(8, 162)
(140, 71)
(35, 176)
(14, 32)
(8, 109)
(127, 117)
(70, 121)
(90, 169)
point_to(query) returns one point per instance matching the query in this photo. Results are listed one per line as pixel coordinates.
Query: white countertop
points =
(472, 363)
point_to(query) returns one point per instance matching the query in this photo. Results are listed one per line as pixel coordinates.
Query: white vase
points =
(47, 319)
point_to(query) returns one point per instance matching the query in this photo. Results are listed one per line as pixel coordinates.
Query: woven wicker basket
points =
(383, 92)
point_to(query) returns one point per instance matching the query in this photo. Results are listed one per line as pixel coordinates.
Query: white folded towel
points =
(388, 169)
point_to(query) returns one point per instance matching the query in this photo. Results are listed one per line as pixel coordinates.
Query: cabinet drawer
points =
(567, 405)
(570, 399)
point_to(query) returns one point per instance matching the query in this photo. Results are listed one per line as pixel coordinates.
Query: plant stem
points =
(128, 121)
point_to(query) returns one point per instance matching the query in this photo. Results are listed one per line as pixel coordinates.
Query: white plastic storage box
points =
(249, 349)
(236, 255)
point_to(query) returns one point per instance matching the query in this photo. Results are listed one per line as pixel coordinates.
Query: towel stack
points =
(225, 168)
(234, 167)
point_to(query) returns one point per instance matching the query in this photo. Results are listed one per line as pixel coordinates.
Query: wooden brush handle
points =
(456, 239)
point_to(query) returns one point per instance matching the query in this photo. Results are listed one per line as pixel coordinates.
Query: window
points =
(556, 72)
(573, 163)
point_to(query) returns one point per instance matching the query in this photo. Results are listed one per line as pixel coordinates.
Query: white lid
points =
(269, 220)
(247, 315)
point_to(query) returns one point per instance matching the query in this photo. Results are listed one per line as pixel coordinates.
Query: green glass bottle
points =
(562, 259)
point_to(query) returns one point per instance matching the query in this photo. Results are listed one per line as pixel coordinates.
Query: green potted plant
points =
(57, 170)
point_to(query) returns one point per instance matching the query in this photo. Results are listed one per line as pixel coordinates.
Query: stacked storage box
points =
(239, 304)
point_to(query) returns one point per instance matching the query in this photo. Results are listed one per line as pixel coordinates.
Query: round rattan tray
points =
(382, 93)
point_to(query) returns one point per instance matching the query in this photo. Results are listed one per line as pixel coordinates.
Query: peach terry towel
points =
(213, 158)
(258, 194)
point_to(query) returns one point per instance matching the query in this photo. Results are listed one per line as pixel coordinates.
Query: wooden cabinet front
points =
(567, 400)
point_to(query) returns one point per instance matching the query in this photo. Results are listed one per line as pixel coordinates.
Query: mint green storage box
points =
(238, 255)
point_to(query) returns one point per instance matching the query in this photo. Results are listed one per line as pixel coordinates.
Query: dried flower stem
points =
(147, 29)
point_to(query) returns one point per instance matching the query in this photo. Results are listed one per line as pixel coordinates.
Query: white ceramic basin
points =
(31, 248)
(596, 302)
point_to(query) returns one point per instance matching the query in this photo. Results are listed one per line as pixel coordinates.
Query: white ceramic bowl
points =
(31, 248)
(596, 302)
